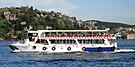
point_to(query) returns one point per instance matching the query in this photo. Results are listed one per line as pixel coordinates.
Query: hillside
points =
(112, 24)
(15, 21)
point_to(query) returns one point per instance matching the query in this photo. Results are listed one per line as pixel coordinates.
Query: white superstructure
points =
(55, 41)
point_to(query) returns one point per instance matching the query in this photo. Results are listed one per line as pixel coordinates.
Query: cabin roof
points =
(72, 30)
(67, 31)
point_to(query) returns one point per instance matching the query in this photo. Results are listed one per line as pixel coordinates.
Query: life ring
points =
(113, 48)
(44, 48)
(99, 49)
(53, 48)
(34, 47)
(69, 48)
(83, 48)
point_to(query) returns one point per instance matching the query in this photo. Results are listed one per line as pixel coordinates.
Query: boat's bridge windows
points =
(91, 41)
(42, 41)
(60, 41)
(32, 36)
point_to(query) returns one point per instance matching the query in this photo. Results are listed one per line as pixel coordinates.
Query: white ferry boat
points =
(56, 41)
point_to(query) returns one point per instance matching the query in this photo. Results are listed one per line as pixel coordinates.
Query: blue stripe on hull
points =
(102, 49)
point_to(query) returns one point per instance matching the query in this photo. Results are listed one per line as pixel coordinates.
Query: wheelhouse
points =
(32, 35)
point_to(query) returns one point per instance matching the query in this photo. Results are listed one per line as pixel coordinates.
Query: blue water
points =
(9, 59)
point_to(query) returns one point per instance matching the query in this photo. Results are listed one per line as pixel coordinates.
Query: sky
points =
(122, 11)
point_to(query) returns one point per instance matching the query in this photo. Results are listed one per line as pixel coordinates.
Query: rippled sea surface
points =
(9, 59)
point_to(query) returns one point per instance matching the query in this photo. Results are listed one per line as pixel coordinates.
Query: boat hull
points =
(61, 48)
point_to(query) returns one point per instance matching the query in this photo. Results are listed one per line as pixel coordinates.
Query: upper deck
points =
(72, 34)
(75, 34)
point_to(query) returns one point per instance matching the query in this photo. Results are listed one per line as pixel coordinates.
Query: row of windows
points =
(90, 41)
(81, 41)
(71, 34)
(32, 34)
(62, 41)
(69, 41)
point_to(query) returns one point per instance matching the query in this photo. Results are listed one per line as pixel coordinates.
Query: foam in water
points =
(125, 50)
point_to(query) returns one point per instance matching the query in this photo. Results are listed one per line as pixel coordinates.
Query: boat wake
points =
(125, 51)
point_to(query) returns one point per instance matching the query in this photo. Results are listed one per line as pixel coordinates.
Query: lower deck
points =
(56, 48)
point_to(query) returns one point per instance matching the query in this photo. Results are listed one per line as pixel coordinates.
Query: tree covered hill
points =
(17, 20)
(112, 24)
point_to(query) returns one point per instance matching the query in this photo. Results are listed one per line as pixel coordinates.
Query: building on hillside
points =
(90, 25)
(9, 16)
(12, 16)
(131, 36)
(13, 37)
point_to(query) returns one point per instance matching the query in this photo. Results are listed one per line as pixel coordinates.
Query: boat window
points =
(52, 41)
(43, 34)
(96, 41)
(38, 41)
(42, 41)
(90, 41)
(46, 42)
(101, 41)
(30, 38)
(64, 41)
(47, 33)
(80, 41)
(93, 41)
(67, 42)
(32, 34)
(87, 41)
(84, 41)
